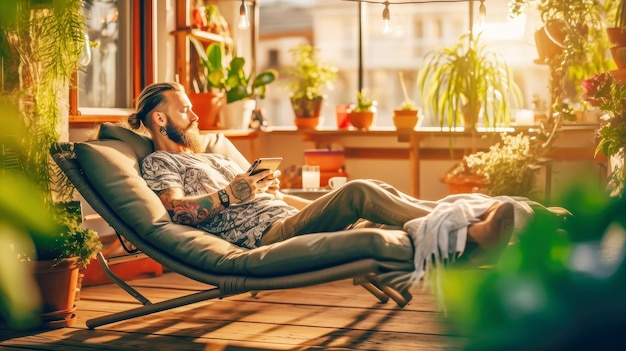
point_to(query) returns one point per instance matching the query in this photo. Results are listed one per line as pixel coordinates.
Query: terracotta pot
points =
(405, 119)
(361, 120)
(207, 106)
(469, 119)
(619, 74)
(618, 53)
(464, 183)
(328, 160)
(616, 36)
(549, 41)
(57, 282)
(304, 107)
(307, 122)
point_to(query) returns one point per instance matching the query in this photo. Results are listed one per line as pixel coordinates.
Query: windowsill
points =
(89, 116)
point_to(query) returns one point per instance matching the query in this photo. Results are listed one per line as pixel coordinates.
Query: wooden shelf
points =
(203, 36)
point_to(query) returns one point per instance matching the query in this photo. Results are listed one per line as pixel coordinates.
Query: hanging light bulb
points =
(244, 21)
(386, 19)
(482, 14)
(85, 55)
(482, 11)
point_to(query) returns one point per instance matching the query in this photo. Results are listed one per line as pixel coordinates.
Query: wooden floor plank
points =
(288, 312)
(341, 292)
(337, 315)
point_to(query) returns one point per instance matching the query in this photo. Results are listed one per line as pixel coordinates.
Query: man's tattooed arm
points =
(190, 210)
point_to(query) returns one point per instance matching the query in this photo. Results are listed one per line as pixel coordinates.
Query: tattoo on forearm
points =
(241, 190)
(190, 212)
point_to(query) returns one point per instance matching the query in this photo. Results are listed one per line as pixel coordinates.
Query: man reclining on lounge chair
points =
(213, 193)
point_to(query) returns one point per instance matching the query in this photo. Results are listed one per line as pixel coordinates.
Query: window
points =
(120, 64)
(333, 28)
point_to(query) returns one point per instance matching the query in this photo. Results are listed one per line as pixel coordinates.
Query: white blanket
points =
(441, 236)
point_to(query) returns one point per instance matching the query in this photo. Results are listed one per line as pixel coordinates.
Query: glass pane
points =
(332, 26)
(107, 79)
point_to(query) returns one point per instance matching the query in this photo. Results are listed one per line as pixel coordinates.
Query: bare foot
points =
(494, 230)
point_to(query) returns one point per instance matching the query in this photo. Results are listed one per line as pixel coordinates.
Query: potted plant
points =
(507, 168)
(363, 114)
(605, 92)
(41, 49)
(230, 81)
(468, 81)
(406, 116)
(19, 307)
(572, 41)
(306, 79)
(616, 32)
(56, 261)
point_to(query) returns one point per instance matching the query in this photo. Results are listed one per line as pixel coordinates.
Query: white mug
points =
(336, 182)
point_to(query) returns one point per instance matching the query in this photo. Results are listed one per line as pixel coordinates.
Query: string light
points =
(244, 20)
(386, 19)
(482, 10)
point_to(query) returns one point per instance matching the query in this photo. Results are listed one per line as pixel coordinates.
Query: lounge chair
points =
(106, 173)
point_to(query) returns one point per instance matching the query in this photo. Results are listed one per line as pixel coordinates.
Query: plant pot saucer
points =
(58, 319)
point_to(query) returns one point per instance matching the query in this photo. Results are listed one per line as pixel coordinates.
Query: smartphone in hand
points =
(261, 164)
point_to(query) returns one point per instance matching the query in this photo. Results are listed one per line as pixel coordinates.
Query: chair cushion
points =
(141, 145)
(112, 167)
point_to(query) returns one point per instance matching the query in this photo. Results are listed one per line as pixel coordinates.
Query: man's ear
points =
(158, 118)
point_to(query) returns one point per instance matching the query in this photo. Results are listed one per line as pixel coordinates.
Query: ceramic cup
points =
(310, 177)
(336, 182)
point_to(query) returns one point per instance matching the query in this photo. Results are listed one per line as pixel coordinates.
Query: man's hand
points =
(245, 187)
(273, 183)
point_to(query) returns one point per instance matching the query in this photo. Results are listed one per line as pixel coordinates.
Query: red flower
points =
(606, 93)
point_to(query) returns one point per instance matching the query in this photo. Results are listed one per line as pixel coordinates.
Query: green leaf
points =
(214, 57)
(264, 78)
(236, 93)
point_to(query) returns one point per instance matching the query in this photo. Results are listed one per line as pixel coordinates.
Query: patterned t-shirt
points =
(199, 174)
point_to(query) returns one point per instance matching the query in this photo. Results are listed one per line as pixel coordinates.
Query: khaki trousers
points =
(358, 205)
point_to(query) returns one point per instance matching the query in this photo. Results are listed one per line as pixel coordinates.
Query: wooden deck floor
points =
(337, 315)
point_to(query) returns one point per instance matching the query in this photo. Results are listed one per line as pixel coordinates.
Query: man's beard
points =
(188, 137)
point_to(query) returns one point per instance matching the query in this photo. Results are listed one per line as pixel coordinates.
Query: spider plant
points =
(468, 81)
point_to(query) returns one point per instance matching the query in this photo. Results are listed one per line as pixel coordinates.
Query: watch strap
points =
(224, 198)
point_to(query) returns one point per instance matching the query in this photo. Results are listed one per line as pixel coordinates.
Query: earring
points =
(163, 131)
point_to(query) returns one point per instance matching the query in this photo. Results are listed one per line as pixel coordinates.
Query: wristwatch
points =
(224, 198)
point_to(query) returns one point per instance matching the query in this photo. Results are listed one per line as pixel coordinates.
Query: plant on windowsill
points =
(230, 81)
(405, 117)
(306, 79)
(364, 112)
(467, 82)
(608, 94)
